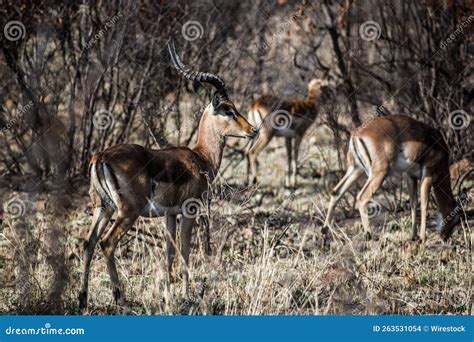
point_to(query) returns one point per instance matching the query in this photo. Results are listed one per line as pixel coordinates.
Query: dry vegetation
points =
(266, 258)
(265, 255)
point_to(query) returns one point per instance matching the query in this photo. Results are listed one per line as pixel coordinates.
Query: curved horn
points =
(190, 74)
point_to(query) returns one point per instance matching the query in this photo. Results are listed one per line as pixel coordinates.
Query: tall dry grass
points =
(267, 255)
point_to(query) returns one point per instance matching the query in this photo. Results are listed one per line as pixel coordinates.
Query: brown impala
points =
(133, 181)
(400, 144)
(288, 118)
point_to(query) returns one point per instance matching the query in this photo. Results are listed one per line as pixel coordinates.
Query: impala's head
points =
(225, 118)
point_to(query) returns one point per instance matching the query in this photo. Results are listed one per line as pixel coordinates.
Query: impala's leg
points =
(186, 234)
(351, 176)
(121, 225)
(424, 197)
(289, 151)
(263, 139)
(413, 192)
(370, 187)
(296, 148)
(170, 247)
(100, 221)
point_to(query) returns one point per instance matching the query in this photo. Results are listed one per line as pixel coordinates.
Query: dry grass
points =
(267, 258)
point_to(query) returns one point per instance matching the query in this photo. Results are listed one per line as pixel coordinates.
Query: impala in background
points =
(288, 118)
(132, 181)
(400, 144)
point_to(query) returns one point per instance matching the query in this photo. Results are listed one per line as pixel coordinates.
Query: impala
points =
(133, 181)
(283, 118)
(399, 144)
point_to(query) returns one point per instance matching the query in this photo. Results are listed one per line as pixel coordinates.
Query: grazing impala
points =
(283, 118)
(134, 181)
(400, 144)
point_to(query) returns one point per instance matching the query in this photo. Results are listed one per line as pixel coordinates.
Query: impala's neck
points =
(210, 144)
